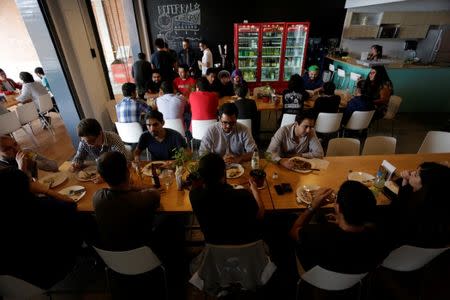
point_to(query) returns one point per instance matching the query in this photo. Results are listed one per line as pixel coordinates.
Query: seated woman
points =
(237, 78)
(294, 96)
(226, 85)
(328, 102)
(350, 244)
(361, 102)
(376, 52)
(246, 107)
(419, 216)
(40, 237)
(379, 89)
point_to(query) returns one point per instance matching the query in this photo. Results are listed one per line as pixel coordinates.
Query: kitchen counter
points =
(397, 64)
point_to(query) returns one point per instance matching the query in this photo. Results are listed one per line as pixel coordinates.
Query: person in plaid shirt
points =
(93, 142)
(130, 109)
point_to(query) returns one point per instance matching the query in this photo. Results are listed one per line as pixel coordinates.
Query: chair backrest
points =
(45, 103)
(331, 281)
(287, 119)
(343, 147)
(27, 113)
(246, 122)
(9, 123)
(340, 73)
(410, 258)
(129, 132)
(328, 122)
(15, 288)
(223, 265)
(331, 67)
(354, 76)
(111, 108)
(360, 120)
(375, 145)
(199, 127)
(132, 262)
(175, 124)
(393, 107)
(435, 142)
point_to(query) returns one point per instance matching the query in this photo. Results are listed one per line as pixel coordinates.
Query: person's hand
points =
(288, 164)
(230, 159)
(98, 179)
(320, 196)
(38, 188)
(406, 174)
(253, 186)
(22, 161)
(75, 167)
(331, 218)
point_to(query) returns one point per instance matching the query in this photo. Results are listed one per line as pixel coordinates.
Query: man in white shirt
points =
(169, 104)
(207, 58)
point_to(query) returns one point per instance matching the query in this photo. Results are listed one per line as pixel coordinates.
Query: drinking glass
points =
(167, 177)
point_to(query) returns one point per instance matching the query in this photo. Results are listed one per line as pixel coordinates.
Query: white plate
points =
(361, 177)
(147, 169)
(54, 179)
(80, 176)
(77, 197)
(234, 171)
(303, 159)
(302, 193)
(237, 186)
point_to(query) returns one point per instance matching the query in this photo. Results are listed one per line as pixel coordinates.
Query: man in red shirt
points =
(203, 102)
(7, 85)
(184, 84)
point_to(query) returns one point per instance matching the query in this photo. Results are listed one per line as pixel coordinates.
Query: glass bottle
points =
(379, 180)
(155, 177)
(255, 160)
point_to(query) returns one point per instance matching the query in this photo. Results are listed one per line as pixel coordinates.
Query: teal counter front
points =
(422, 88)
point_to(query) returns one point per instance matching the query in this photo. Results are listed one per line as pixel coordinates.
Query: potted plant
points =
(183, 161)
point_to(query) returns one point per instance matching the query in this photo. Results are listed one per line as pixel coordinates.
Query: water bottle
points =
(379, 181)
(255, 160)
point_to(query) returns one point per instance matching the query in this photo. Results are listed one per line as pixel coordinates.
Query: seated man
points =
(226, 215)
(93, 142)
(7, 85)
(203, 101)
(214, 83)
(226, 85)
(328, 102)
(360, 102)
(171, 105)
(231, 140)
(160, 142)
(155, 83)
(40, 239)
(124, 213)
(297, 139)
(130, 109)
(312, 81)
(184, 84)
(356, 245)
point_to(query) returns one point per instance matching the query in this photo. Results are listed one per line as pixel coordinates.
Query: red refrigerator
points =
(269, 53)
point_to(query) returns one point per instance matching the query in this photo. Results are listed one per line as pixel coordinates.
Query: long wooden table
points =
(174, 201)
(10, 100)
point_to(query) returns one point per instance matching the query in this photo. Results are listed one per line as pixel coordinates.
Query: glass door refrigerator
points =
(269, 53)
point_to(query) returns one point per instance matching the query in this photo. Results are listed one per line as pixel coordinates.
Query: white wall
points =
(75, 32)
(391, 48)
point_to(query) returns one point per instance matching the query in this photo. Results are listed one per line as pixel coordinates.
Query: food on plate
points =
(300, 164)
(49, 181)
(87, 175)
(233, 171)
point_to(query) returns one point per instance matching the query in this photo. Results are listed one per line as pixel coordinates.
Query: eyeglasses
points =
(228, 123)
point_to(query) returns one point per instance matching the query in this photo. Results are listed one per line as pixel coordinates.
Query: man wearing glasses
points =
(160, 142)
(231, 140)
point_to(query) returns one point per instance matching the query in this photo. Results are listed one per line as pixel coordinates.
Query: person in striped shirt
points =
(130, 109)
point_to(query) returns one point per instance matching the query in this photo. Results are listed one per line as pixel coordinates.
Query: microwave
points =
(388, 31)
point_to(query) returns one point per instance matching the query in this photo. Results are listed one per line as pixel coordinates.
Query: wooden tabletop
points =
(10, 100)
(260, 104)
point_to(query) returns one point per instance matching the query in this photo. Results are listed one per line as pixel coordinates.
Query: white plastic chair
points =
(9, 123)
(435, 142)
(329, 280)
(410, 258)
(287, 119)
(175, 124)
(328, 122)
(27, 113)
(359, 120)
(343, 147)
(392, 109)
(375, 145)
(199, 127)
(45, 106)
(332, 69)
(129, 132)
(246, 122)
(354, 77)
(132, 262)
(14, 288)
(341, 80)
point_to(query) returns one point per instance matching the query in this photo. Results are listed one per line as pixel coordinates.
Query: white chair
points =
(332, 69)
(328, 122)
(199, 127)
(129, 132)
(435, 142)
(132, 262)
(223, 266)
(392, 109)
(354, 77)
(175, 124)
(45, 106)
(343, 147)
(341, 79)
(329, 280)
(246, 122)
(14, 288)
(287, 119)
(410, 258)
(9, 123)
(375, 145)
(27, 113)
(359, 120)
(111, 108)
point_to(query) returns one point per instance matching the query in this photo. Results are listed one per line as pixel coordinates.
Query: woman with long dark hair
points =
(379, 89)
